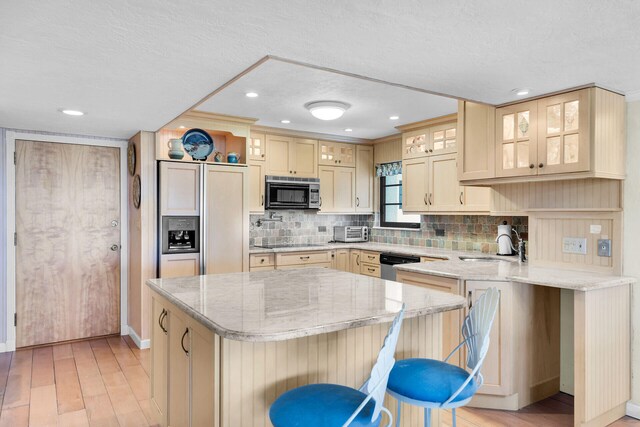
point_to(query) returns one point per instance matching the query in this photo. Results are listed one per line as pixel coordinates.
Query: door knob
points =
(115, 247)
(114, 223)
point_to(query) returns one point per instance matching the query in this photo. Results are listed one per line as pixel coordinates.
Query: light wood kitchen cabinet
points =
(564, 133)
(257, 143)
(337, 189)
(179, 189)
(443, 139)
(415, 143)
(336, 154)
(517, 140)
(444, 189)
(415, 185)
(452, 320)
(183, 377)
(303, 259)
(259, 262)
(341, 259)
(578, 134)
(354, 261)
(159, 359)
(179, 265)
(476, 135)
(475, 199)
(256, 186)
(364, 179)
(370, 263)
(288, 156)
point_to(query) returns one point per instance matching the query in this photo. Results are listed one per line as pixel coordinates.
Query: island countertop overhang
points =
(287, 304)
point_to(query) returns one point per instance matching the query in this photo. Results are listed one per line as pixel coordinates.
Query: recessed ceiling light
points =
(251, 95)
(394, 117)
(181, 127)
(348, 130)
(286, 122)
(71, 112)
(327, 110)
(521, 92)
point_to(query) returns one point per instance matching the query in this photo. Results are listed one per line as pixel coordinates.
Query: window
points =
(391, 214)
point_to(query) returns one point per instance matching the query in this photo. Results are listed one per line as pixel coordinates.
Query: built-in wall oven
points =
(283, 192)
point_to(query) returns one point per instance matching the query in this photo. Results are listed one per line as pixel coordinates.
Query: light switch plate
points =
(604, 247)
(574, 245)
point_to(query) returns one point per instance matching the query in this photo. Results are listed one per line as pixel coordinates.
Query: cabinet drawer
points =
(430, 259)
(372, 270)
(302, 258)
(261, 260)
(371, 257)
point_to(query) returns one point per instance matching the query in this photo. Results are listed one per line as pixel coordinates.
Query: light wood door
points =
(327, 187)
(415, 144)
(159, 358)
(347, 155)
(415, 189)
(203, 357)
(304, 159)
(342, 259)
(226, 221)
(444, 190)
(337, 189)
(364, 179)
(517, 140)
(564, 133)
(278, 158)
(256, 187)
(68, 242)
(257, 143)
(179, 265)
(354, 261)
(443, 139)
(476, 199)
(179, 189)
(476, 141)
(497, 366)
(179, 346)
(336, 154)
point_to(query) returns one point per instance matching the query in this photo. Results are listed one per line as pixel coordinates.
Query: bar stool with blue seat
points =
(433, 384)
(333, 405)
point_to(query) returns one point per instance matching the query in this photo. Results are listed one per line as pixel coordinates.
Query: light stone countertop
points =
(504, 269)
(285, 304)
(512, 271)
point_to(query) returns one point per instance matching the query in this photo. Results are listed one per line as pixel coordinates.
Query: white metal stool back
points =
(376, 385)
(475, 330)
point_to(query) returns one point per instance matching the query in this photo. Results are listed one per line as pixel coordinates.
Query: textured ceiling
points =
(137, 64)
(284, 88)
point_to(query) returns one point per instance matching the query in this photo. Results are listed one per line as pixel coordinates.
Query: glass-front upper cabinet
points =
(443, 139)
(256, 146)
(336, 154)
(516, 140)
(564, 133)
(415, 144)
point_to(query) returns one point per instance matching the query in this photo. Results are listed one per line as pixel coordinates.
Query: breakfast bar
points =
(225, 346)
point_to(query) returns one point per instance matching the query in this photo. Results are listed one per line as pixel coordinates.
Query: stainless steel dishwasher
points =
(388, 260)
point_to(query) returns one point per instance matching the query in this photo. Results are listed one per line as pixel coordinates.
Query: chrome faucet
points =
(522, 256)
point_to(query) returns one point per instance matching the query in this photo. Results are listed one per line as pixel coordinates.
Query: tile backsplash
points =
(299, 227)
(475, 233)
(461, 232)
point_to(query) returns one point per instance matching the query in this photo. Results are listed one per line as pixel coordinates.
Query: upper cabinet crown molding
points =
(572, 135)
(427, 123)
(308, 135)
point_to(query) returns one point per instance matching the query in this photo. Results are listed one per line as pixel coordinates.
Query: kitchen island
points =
(224, 347)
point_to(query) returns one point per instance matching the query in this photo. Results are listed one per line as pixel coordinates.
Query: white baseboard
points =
(7, 346)
(142, 344)
(633, 410)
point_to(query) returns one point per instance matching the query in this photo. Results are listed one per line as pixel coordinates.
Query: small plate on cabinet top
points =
(198, 144)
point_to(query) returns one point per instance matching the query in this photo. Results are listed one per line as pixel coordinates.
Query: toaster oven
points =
(351, 233)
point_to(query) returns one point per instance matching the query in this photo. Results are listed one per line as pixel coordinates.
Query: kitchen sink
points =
(478, 259)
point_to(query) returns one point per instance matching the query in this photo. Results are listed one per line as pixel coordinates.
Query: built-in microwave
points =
(283, 192)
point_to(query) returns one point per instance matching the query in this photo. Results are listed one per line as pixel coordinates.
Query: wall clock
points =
(131, 158)
(136, 191)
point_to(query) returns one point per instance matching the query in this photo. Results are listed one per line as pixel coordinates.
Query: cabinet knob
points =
(262, 156)
(531, 166)
(290, 171)
(431, 150)
(295, 172)
(541, 165)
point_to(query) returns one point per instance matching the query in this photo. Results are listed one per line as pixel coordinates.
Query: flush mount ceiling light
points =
(394, 117)
(251, 95)
(327, 110)
(286, 122)
(521, 92)
(71, 112)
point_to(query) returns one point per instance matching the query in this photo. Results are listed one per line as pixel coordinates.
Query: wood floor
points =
(105, 382)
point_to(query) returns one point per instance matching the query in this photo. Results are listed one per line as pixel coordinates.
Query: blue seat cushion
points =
(429, 380)
(322, 405)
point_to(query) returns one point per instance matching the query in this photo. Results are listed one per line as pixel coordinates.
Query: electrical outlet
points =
(604, 247)
(574, 245)
(322, 229)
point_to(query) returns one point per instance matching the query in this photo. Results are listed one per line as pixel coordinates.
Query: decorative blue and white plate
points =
(198, 144)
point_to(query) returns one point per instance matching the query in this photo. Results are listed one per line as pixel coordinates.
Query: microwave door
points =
(288, 196)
